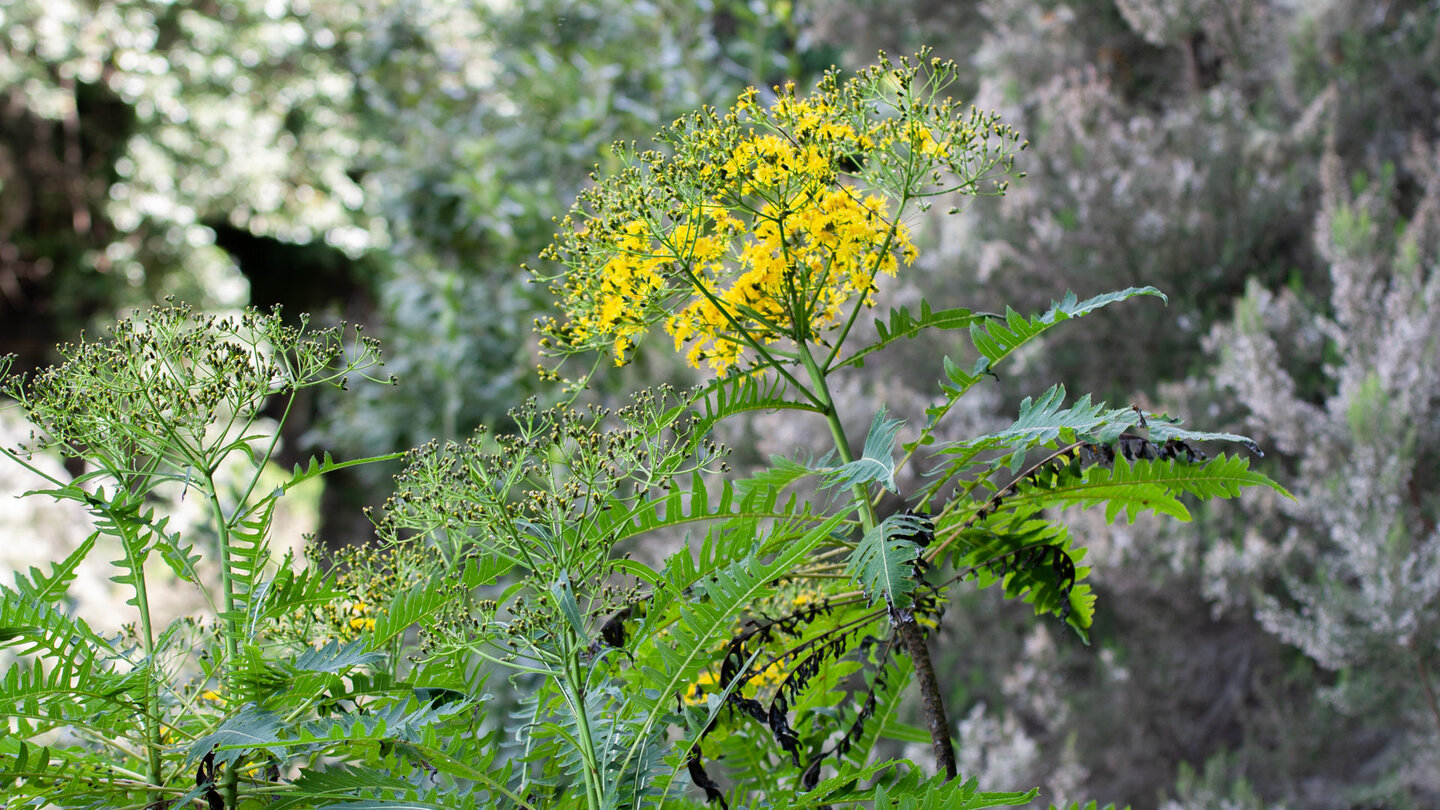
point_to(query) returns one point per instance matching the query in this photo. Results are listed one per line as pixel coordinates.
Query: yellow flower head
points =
(769, 224)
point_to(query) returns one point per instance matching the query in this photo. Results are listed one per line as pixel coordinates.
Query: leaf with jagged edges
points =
(407, 774)
(334, 657)
(875, 465)
(430, 596)
(902, 786)
(1163, 429)
(842, 787)
(883, 562)
(289, 590)
(669, 661)
(248, 554)
(48, 589)
(729, 396)
(998, 339)
(69, 656)
(914, 791)
(1147, 485)
(250, 728)
(1031, 558)
(1042, 422)
(739, 504)
(322, 466)
(905, 324)
(54, 776)
(341, 783)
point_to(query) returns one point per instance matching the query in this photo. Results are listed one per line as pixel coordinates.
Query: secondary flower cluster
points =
(768, 224)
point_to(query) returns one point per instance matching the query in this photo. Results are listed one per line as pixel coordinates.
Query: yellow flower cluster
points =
(345, 621)
(767, 224)
(360, 621)
(802, 262)
(633, 274)
(810, 247)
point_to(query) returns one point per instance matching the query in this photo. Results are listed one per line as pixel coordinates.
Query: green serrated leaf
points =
(249, 729)
(51, 588)
(876, 465)
(335, 657)
(1147, 485)
(996, 341)
(882, 562)
(904, 324)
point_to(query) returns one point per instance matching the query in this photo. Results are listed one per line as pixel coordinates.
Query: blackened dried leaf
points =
(702, 780)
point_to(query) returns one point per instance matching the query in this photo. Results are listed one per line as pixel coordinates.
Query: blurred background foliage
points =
(1270, 164)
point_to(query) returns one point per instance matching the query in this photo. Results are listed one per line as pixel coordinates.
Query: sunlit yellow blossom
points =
(768, 224)
(800, 265)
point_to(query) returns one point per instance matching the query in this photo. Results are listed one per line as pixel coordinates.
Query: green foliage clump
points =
(773, 635)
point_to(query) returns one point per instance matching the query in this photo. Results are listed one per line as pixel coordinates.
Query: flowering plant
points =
(776, 632)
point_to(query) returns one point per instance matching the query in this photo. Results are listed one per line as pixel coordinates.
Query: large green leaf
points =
(429, 597)
(883, 562)
(692, 504)
(875, 465)
(42, 588)
(1147, 485)
(672, 661)
(251, 728)
(998, 339)
(248, 553)
(1042, 422)
(324, 465)
(1031, 558)
(69, 654)
(904, 324)
(335, 657)
(727, 397)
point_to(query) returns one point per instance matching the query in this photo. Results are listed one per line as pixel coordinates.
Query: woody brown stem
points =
(935, 720)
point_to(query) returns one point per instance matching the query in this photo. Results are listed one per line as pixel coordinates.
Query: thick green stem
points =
(151, 716)
(230, 782)
(935, 718)
(594, 791)
(837, 431)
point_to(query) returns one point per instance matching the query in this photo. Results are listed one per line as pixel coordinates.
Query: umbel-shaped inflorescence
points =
(171, 384)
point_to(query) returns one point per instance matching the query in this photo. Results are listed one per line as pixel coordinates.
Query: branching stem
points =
(904, 622)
